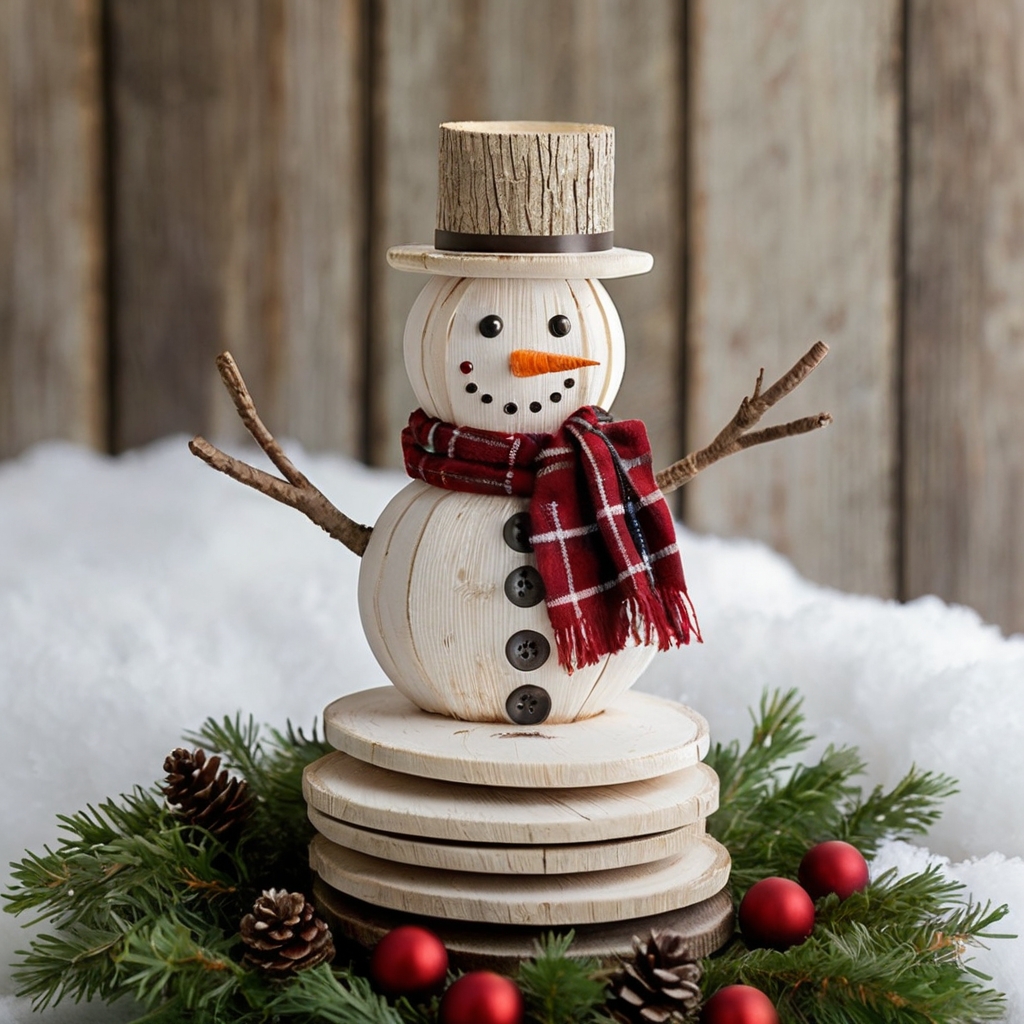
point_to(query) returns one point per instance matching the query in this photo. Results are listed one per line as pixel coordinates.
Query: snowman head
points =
(514, 330)
(510, 354)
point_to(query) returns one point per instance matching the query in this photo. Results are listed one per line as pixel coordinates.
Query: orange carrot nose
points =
(525, 362)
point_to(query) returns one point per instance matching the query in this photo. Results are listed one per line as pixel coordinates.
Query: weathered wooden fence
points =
(182, 176)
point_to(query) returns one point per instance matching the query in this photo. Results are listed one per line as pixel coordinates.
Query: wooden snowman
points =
(512, 333)
(514, 591)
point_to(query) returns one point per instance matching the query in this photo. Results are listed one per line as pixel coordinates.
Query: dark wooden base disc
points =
(494, 947)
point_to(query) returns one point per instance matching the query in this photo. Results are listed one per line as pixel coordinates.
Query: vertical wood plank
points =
(238, 221)
(577, 60)
(52, 354)
(964, 367)
(795, 233)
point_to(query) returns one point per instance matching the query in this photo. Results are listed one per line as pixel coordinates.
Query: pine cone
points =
(202, 796)
(660, 985)
(284, 935)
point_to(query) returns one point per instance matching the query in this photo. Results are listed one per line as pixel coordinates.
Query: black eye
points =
(490, 326)
(559, 326)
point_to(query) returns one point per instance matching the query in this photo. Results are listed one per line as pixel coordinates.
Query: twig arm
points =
(295, 490)
(736, 435)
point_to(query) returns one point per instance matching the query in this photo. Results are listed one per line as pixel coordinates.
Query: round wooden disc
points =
(585, 898)
(706, 926)
(369, 797)
(639, 737)
(493, 858)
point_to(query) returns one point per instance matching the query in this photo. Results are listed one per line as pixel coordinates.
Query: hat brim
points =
(425, 259)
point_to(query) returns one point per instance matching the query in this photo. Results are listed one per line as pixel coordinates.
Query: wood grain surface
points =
(639, 737)
(434, 610)
(474, 947)
(501, 859)
(795, 214)
(369, 797)
(52, 332)
(178, 177)
(964, 376)
(697, 873)
(238, 221)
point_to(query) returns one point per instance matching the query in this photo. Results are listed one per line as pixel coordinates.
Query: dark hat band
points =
(458, 241)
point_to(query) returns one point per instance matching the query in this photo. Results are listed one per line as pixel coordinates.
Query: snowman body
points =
(449, 595)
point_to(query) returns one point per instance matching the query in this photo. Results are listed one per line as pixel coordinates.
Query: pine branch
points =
(163, 959)
(279, 830)
(145, 906)
(925, 909)
(910, 969)
(330, 997)
(556, 988)
(776, 737)
(77, 963)
(771, 835)
(101, 867)
(910, 808)
(772, 811)
(864, 974)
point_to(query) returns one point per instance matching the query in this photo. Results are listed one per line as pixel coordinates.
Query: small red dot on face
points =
(466, 367)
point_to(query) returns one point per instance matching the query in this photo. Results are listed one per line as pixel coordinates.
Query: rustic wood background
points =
(182, 176)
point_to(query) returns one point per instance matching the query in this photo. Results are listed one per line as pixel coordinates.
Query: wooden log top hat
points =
(526, 199)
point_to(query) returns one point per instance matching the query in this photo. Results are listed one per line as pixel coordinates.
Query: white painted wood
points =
(508, 860)
(638, 737)
(442, 334)
(682, 880)
(435, 614)
(361, 794)
(425, 259)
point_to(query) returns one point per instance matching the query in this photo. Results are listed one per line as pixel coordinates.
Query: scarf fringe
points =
(665, 620)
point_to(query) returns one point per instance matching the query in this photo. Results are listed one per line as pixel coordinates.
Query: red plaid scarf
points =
(601, 530)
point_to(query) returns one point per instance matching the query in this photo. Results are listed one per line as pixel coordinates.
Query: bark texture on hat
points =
(525, 178)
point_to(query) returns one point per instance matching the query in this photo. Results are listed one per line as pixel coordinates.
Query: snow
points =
(139, 595)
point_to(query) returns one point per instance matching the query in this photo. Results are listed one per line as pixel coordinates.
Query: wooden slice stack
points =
(491, 834)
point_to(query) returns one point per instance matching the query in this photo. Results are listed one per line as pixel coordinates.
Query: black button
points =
(516, 532)
(524, 587)
(528, 705)
(527, 650)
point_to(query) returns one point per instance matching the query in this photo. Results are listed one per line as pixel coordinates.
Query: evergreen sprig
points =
(773, 809)
(142, 905)
(558, 988)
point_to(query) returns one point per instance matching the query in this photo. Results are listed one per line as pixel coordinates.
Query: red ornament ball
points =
(739, 1004)
(481, 997)
(409, 961)
(776, 912)
(834, 866)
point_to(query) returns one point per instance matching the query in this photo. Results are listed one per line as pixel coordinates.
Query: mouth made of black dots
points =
(535, 407)
(471, 389)
(511, 407)
(555, 396)
(487, 399)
